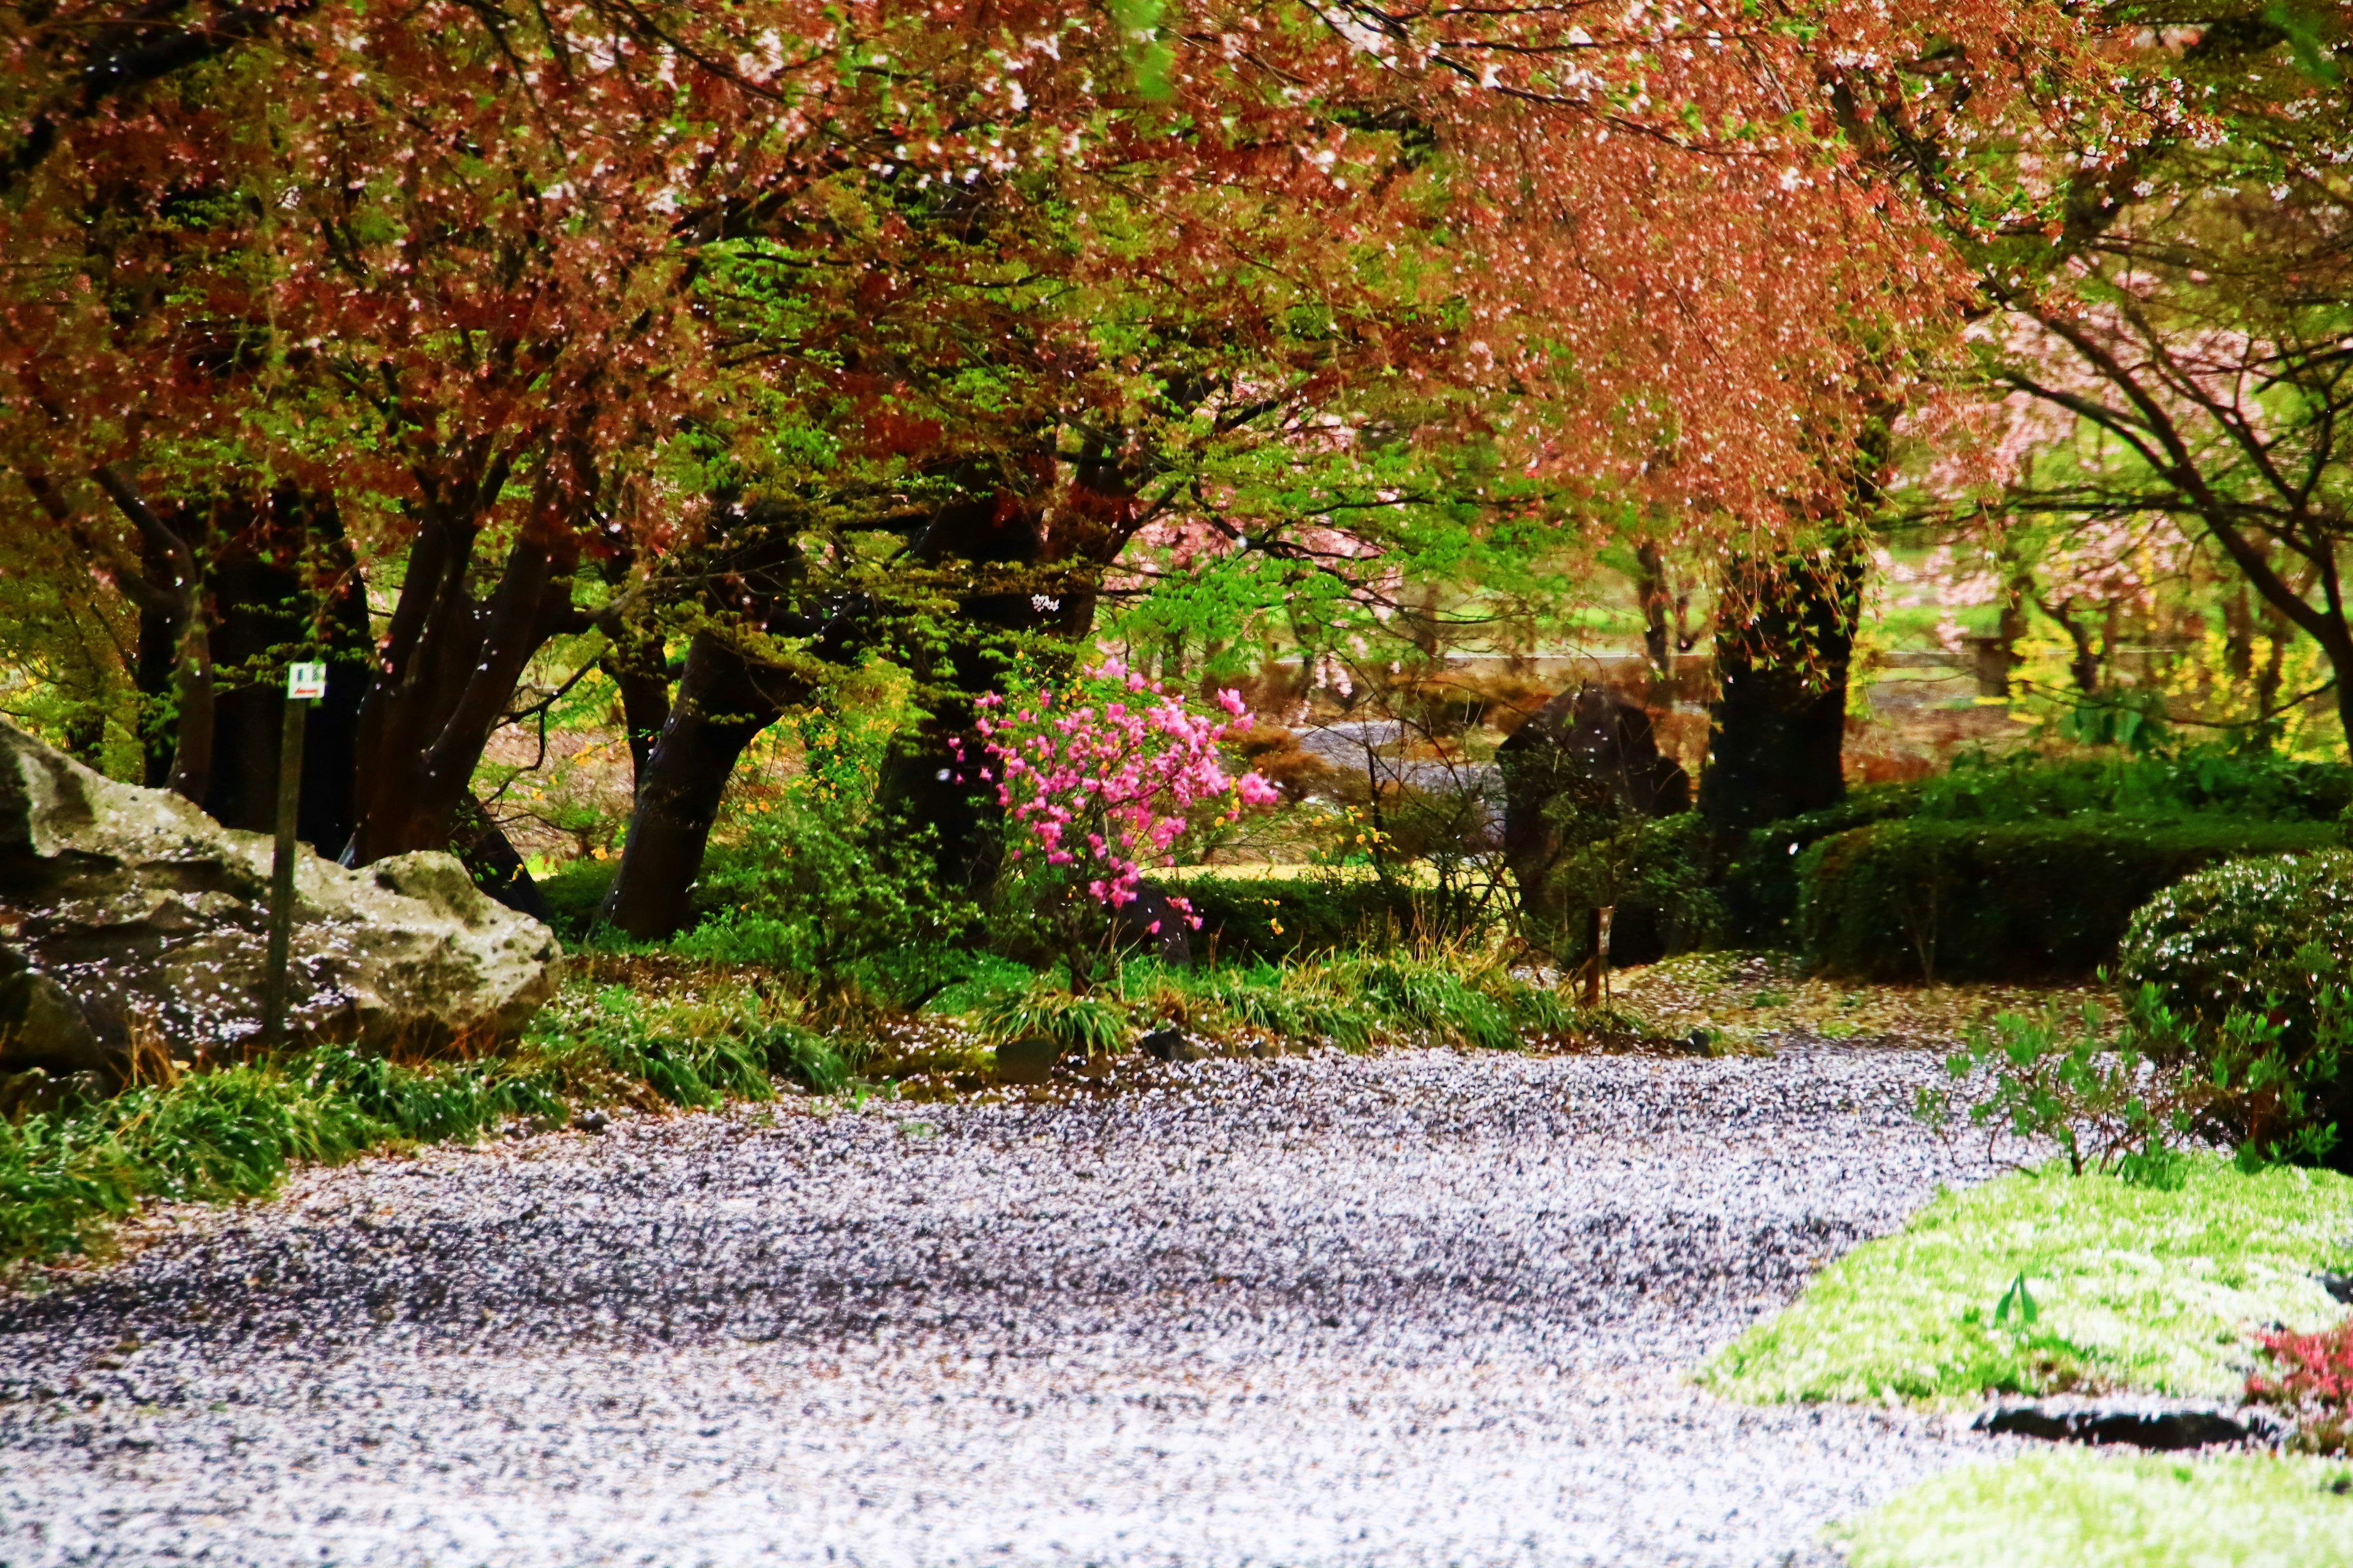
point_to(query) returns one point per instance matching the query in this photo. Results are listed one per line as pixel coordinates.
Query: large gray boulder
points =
(154, 919)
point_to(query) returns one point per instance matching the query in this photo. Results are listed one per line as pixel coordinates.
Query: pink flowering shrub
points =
(1101, 776)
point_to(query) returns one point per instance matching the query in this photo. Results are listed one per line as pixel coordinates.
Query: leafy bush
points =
(813, 876)
(2198, 781)
(2106, 1103)
(1760, 885)
(2311, 1382)
(2132, 1105)
(1650, 871)
(1275, 917)
(2249, 934)
(574, 892)
(1928, 898)
(2251, 955)
(1761, 881)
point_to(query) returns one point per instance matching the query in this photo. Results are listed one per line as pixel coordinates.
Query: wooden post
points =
(304, 682)
(1601, 946)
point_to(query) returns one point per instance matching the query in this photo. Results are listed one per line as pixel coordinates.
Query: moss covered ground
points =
(2133, 1287)
(2071, 1508)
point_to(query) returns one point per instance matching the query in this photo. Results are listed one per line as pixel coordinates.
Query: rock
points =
(31, 1091)
(1587, 732)
(2137, 1424)
(153, 917)
(1598, 746)
(43, 1028)
(1162, 1045)
(1027, 1061)
(1153, 922)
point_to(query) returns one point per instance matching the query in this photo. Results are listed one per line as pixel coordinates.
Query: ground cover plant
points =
(69, 1170)
(2073, 1508)
(2042, 1282)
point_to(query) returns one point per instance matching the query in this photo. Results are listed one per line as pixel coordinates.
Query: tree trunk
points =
(1656, 597)
(722, 704)
(1785, 635)
(448, 671)
(639, 668)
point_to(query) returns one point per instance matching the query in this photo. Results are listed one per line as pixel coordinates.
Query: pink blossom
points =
(1116, 774)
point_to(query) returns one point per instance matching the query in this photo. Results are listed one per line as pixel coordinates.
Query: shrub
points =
(2107, 1104)
(1097, 777)
(2311, 1382)
(814, 877)
(1650, 871)
(1761, 881)
(1275, 917)
(2251, 956)
(2262, 934)
(574, 892)
(1935, 899)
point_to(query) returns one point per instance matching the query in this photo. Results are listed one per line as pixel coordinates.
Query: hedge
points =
(1276, 918)
(1932, 900)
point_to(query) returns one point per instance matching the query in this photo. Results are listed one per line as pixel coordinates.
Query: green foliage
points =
(1087, 1025)
(2249, 958)
(815, 877)
(2202, 780)
(1650, 870)
(1348, 1001)
(1930, 899)
(2108, 1105)
(66, 1173)
(233, 1133)
(2265, 933)
(2066, 1508)
(2136, 1286)
(1762, 884)
(1254, 918)
(574, 892)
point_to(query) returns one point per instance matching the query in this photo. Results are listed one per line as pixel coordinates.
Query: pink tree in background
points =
(1099, 777)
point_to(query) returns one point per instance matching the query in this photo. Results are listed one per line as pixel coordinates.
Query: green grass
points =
(2134, 1288)
(1351, 1001)
(2073, 1508)
(67, 1173)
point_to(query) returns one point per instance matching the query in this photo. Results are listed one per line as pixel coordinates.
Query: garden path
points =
(1420, 1308)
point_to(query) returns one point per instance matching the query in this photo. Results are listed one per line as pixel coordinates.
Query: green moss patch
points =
(2073, 1508)
(2132, 1287)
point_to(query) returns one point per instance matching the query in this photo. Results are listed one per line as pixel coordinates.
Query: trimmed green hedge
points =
(1277, 918)
(1924, 898)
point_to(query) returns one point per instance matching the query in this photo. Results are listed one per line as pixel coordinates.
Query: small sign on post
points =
(305, 684)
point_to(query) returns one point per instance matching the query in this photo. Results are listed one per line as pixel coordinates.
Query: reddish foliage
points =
(2310, 1381)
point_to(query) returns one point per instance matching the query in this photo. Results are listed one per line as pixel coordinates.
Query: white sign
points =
(306, 680)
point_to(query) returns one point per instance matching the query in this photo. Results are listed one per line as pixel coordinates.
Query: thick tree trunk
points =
(447, 675)
(723, 702)
(1785, 635)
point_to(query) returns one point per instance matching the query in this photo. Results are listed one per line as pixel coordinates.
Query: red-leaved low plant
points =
(2309, 1381)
